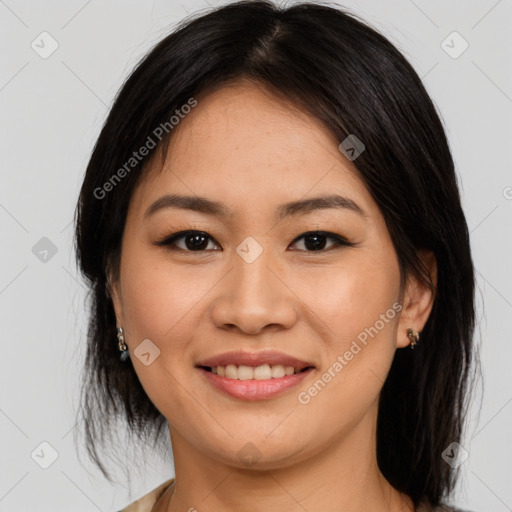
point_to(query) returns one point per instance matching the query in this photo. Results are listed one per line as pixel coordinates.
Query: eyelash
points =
(169, 241)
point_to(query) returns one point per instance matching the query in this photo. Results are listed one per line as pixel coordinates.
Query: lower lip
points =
(255, 389)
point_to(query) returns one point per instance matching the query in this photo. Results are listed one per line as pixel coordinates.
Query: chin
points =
(254, 451)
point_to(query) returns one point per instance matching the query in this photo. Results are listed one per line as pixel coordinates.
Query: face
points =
(313, 286)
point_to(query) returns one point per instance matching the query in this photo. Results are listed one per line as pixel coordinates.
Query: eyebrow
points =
(210, 207)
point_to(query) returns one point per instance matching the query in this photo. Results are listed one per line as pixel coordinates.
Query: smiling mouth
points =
(261, 372)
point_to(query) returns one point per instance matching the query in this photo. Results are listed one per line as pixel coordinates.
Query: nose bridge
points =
(254, 273)
(253, 296)
(253, 279)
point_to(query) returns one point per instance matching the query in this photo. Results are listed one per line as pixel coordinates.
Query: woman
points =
(280, 269)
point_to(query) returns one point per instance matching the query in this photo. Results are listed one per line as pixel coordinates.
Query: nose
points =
(254, 297)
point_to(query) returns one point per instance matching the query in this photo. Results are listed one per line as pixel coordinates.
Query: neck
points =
(342, 476)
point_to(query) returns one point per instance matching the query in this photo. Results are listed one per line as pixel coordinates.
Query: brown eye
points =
(198, 241)
(317, 240)
(192, 241)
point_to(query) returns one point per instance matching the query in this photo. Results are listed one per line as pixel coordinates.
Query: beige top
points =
(147, 502)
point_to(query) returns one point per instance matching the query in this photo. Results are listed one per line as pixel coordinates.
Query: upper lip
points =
(241, 357)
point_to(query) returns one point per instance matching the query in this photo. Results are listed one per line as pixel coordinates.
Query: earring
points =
(413, 336)
(122, 345)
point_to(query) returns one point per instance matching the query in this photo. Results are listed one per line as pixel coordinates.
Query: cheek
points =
(159, 297)
(159, 304)
(358, 302)
(351, 296)
(368, 319)
(357, 353)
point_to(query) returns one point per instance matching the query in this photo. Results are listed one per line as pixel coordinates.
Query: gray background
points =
(52, 110)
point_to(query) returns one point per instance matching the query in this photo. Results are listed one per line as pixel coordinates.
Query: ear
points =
(417, 302)
(114, 290)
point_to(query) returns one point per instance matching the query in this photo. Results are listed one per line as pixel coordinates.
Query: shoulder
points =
(146, 502)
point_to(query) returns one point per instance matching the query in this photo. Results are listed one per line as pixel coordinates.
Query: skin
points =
(246, 148)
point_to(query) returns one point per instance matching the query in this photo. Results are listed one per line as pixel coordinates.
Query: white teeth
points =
(244, 372)
(278, 371)
(231, 371)
(262, 372)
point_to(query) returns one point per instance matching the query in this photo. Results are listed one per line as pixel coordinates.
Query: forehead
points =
(248, 122)
(241, 142)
